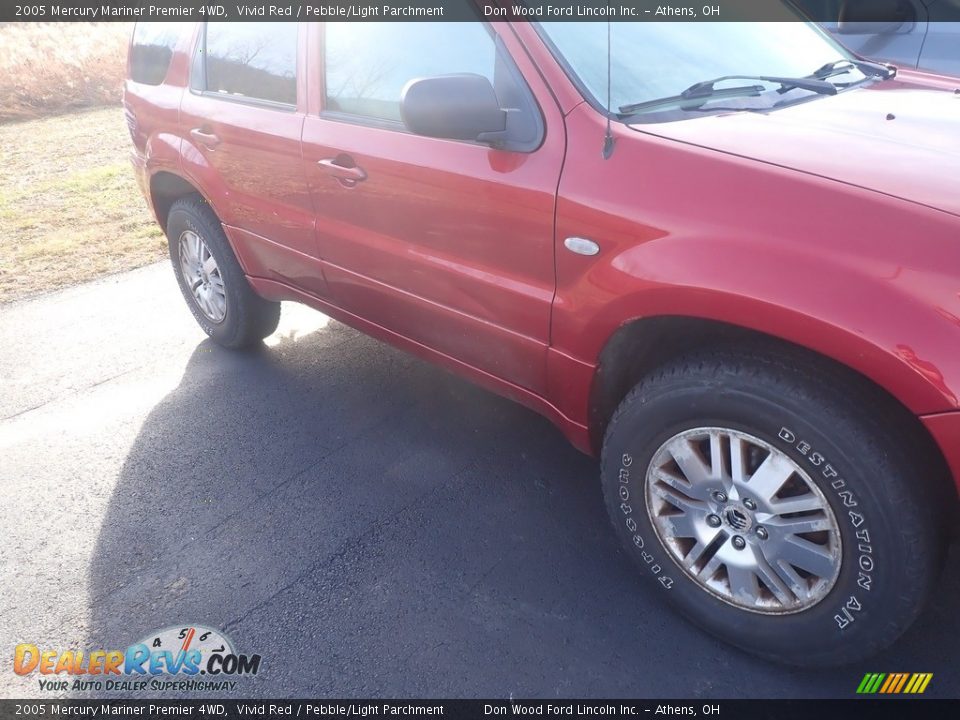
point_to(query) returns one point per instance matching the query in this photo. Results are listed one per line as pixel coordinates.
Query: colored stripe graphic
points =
(870, 683)
(894, 683)
(903, 681)
(891, 680)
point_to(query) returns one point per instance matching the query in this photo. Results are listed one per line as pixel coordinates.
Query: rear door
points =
(445, 242)
(241, 121)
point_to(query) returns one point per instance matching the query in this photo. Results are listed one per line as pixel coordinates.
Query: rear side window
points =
(256, 61)
(152, 50)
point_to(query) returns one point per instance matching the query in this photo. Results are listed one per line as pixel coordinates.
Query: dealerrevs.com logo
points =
(170, 659)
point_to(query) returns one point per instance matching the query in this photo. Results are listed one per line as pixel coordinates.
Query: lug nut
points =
(762, 533)
(749, 504)
(739, 543)
(713, 520)
(719, 497)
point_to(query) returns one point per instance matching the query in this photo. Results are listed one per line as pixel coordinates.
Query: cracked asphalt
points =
(367, 523)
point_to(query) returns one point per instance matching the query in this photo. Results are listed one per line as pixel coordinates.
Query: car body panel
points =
(945, 430)
(449, 241)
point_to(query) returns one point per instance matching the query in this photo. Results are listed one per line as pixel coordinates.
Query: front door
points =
(447, 243)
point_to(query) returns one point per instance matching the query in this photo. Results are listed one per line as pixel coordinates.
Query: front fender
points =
(893, 328)
(869, 280)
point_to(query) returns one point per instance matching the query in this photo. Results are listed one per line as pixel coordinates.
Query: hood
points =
(898, 140)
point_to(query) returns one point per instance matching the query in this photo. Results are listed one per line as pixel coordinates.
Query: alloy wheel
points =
(743, 520)
(202, 276)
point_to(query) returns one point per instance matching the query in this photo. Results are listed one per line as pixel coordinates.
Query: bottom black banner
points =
(893, 708)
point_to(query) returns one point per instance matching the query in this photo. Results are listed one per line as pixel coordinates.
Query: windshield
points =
(654, 60)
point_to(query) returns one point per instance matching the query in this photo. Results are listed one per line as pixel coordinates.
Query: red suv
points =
(723, 257)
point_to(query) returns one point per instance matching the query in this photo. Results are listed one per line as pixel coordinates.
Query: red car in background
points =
(723, 257)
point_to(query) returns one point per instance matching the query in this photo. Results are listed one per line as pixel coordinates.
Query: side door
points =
(447, 243)
(241, 122)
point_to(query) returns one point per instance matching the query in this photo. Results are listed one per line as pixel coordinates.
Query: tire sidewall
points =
(873, 562)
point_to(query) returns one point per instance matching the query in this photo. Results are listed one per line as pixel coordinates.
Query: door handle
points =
(208, 139)
(347, 175)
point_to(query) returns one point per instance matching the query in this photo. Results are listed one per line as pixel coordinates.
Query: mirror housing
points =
(457, 107)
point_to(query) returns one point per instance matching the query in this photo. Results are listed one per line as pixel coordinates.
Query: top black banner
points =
(433, 10)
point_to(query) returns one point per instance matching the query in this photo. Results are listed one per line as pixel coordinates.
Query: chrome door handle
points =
(208, 139)
(347, 175)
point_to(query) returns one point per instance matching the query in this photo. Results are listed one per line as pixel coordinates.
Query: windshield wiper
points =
(745, 91)
(870, 69)
(706, 91)
(813, 84)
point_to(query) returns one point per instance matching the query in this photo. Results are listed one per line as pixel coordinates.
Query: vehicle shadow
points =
(373, 526)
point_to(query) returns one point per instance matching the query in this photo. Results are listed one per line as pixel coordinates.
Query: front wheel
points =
(777, 508)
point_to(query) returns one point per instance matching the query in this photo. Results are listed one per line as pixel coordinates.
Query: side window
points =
(152, 50)
(368, 63)
(255, 61)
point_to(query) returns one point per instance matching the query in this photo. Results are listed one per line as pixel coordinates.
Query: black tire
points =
(248, 317)
(891, 544)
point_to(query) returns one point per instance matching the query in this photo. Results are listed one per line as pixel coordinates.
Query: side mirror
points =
(457, 107)
(875, 17)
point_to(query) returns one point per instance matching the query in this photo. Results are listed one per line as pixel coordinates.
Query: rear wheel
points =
(779, 509)
(211, 279)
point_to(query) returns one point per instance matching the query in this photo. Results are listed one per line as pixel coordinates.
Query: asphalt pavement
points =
(367, 523)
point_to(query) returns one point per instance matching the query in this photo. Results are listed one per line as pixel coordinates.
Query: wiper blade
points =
(745, 91)
(870, 69)
(813, 84)
(706, 90)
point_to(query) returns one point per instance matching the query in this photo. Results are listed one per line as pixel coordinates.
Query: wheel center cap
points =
(738, 518)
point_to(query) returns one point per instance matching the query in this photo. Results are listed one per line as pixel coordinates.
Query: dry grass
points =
(70, 208)
(48, 68)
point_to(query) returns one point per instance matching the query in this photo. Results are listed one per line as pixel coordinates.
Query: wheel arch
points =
(165, 189)
(641, 345)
